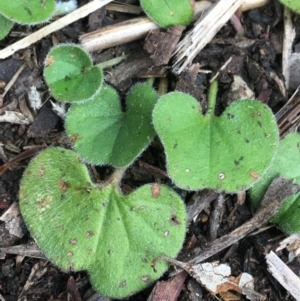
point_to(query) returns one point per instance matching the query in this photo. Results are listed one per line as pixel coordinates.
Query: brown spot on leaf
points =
(155, 190)
(41, 171)
(63, 185)
(49, 61)
(70, 254)
(74, 138)
(174, 219)
(267, 135)
(70, 267)
(44, 202)
(254, 175)
(84, 69)
(89, 233)
(145, 278)
(73, 241)
(123, 283)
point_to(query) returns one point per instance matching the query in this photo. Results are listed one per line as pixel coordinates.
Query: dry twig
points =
(56, 25)
(288, 39)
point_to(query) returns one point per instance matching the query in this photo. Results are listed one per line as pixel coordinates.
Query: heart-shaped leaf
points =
(169, 12)
(227, 153)
(27, 12)
(103, 134)
(293, 5)
(70, 74)
(5, 26)
(80, 226)
(286, 163)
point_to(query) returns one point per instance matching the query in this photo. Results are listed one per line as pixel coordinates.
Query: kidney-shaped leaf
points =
(293, 5)
(286, 163)
(227, 153)
(80, 226)
(70, 74)
(103, 134)
(169, 12)
(27, 12)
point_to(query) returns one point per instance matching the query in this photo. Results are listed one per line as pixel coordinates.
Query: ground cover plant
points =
(30, 12)
(112, 227)
(103, 134)
(70, 74)
(117, 232)
(113, 232)
(166, 13)
(215, 152)
(286, 163)
(293, 5)
(27, 12)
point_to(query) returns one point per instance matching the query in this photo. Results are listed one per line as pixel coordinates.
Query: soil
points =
(33, 277)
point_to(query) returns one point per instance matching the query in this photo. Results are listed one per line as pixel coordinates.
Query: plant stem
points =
(115, 178)
(212, 97)
(112, 62)
(163, 86)
(150, 81)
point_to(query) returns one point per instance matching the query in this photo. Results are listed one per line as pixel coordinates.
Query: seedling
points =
(70, 74)
(103, 134)
(227, 153)
(169, 12)
(293, 5)
(31, 12)
(286, 163)
(27, 12)
(83, 226)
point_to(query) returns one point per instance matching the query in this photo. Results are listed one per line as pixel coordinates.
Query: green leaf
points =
(27, 12)
(103, 134)
(227, 153)
(70, 74)
(80, 226)
(286, 163)
(169, 12)
(293, 5)
(5, 26)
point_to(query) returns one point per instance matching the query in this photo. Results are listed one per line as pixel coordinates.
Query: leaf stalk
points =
(212, 97)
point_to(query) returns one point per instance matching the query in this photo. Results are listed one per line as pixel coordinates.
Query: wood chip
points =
(203, 32)
(161, 45)
(168, 290)
(30, 250)
(14, 117)
(44, 123)
(13, 221)
(283, 274)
